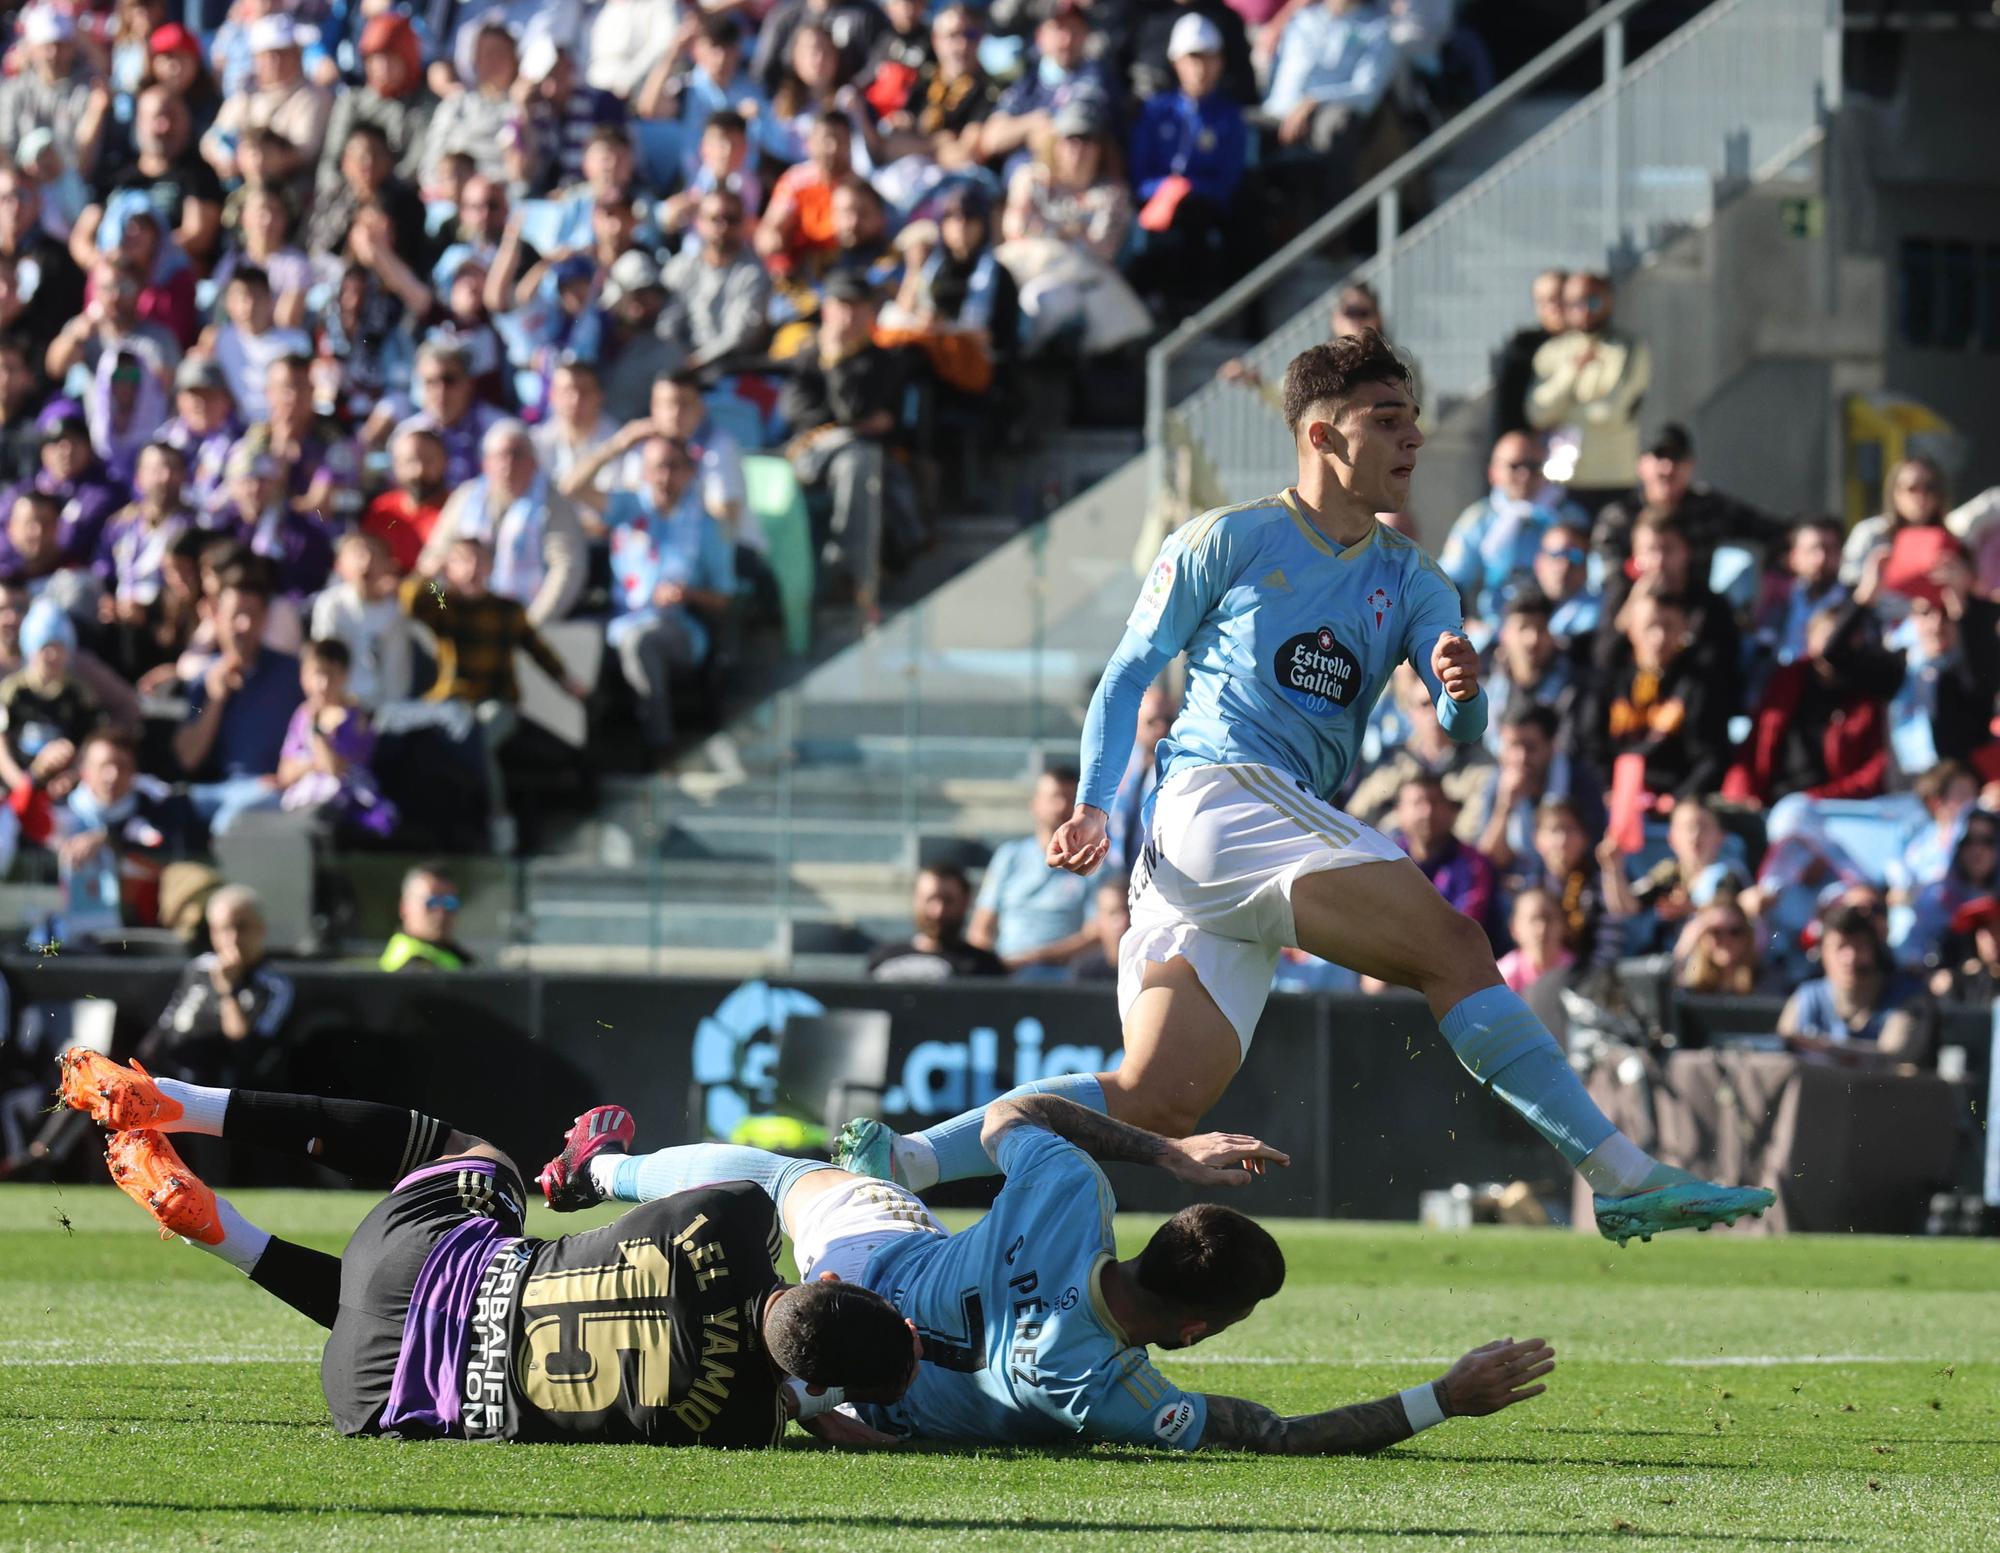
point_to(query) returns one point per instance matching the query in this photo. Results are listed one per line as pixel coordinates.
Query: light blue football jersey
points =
(1290, 639)
(1018, 1346)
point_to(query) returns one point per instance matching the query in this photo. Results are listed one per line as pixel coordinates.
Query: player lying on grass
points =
(668, 1327)
(1033, 1330)
(1293, 612)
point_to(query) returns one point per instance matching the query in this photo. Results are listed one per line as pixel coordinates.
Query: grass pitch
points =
(1711, 1392)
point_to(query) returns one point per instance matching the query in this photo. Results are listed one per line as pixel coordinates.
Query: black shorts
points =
(379, 1269)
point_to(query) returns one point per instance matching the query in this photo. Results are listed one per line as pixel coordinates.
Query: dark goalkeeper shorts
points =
(380, 1268)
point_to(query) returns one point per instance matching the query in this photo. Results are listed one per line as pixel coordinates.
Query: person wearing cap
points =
(635, 350)
(282, 101)
(531, 528)
(132, 554)
(482, 119)
(1149, 56)
(55, 90)
(1058, 74)
(843, 405)
(72, 478)
(721, 307)
(393, 96)
(167, 170)
(1667, 483)
(1067, 217)
(1335, 65)
(174, 60)
(1588, 383)
(45, 714)
(204, 426)
(1189, 151)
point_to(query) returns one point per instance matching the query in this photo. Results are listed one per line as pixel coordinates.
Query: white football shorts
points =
(838, 1231)
(1214, 883)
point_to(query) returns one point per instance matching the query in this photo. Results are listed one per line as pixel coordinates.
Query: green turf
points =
(151, 1397)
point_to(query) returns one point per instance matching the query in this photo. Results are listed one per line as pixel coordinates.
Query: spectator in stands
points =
(1425, 749)
(1535, 923)
(1822, 726)
(294, 544)
(132, 554)
(637, 348)
(1969, 965)
(204, 427)
(1125, 830)
(717, 83)
(1974, 872)
(943, 116)
(53, 92)
(844, 406)
(1588, 383)
(111, 324)
(1657, 704)
(1705, 517)
(1562, 573)
(1591, 889)
(1059, 74)
(322, 467)
(1153, 67)
(426, 924)
(937, 950)
(45, 712)
(1718, 954)
(482, 120)
(165, 167)
(1036, 918)
(1948, 791)
(251, 340)
(34, 555)
(1425, 815)
(1067, 217)
(447, 405)
(1702, 866)
(958, 302)
(323, 767)
(1663, 564)
(1812, 561)
(850, 26)
(404, 517)
(561, 114)
(1335, 65)
(114, 832)
(721, 295)
(723, 167)
(1946, 705)
(1861, 1009)
(1507, 801)
(393, 97)
(241, 707)
(359, 609)
(1913, 496)
(1514, 363)
(530, 527)
(21, 395)
(221, 1025)
(1491, 549)
(1190, 149)
(673, 581)
(796, 233)
(477, 633)
(263, 240)
(1529, 667)
(574, 430)
(294, 109)
(48, 279)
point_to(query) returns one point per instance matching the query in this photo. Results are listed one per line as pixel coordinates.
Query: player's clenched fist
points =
(1497, 1375)
(1080, 842)
(1454, 662)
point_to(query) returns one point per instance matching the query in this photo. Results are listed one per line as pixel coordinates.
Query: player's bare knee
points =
(1144, 1105)
(1460, 961)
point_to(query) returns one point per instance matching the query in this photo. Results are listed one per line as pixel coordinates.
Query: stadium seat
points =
(834, 1065)
(774, 494)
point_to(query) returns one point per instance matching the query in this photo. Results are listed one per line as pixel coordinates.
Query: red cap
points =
(1975, 914)
(173, 38)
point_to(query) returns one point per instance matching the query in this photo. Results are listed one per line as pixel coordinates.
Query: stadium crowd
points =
(1755, 754)
(350, 349)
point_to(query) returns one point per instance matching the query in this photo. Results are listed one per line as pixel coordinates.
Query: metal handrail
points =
(1380, 196)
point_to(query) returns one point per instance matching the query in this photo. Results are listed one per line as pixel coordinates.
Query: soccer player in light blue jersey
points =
(1293, 612)
(1031, 1330)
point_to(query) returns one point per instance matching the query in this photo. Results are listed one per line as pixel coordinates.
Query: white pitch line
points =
(1699, 1362)
(11, 1361)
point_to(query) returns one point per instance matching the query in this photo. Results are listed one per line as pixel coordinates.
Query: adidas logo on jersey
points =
(1275, 579)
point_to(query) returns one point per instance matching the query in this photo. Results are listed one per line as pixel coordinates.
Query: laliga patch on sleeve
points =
(1153, 596)
(1175, 1421)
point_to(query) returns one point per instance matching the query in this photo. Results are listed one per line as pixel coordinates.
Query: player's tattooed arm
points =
(1234, 1424)
(1213, 1159)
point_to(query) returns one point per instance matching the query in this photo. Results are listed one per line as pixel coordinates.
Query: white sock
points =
(202, 1108)
(242, 1242)
(1617, 1167)
(604, 1171)
(914, 1162)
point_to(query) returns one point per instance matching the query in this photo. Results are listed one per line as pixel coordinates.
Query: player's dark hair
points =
(1212, 1259)
(1533, 714)
(1326, 374)
(839, 1334)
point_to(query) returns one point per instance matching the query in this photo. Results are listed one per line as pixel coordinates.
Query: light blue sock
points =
(1506, 1048)
(955, 1144)
(644, 1177)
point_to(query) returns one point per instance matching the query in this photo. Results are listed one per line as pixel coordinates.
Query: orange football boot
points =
(149, 1172)
(116, 1096)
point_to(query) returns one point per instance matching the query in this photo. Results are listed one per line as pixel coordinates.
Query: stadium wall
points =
(1362, 1091)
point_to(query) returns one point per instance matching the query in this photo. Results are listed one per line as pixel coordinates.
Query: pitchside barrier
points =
(1363, 1092)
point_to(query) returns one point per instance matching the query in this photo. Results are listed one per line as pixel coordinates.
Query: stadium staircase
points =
(792, 842)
